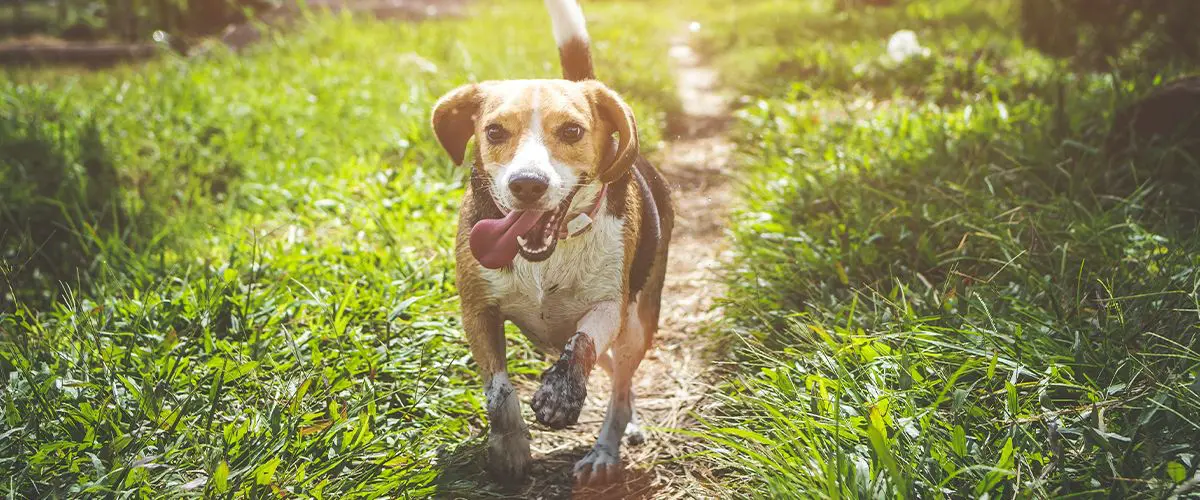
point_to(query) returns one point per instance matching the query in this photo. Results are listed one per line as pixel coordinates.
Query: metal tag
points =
(579, 223)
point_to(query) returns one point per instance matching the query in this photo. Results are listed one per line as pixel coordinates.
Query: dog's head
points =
(537, 142)
(537, 139)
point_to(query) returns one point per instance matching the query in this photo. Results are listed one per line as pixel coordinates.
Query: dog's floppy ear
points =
(619, 115)
(454, 119)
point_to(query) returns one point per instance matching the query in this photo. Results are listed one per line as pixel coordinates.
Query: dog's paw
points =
(600, 466)
(634, 434)
(508, 456)
(558, 402)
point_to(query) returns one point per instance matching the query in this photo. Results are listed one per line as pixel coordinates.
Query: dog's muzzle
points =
(532, 233)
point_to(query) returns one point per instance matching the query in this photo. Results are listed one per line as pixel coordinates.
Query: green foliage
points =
(798, 49)
(59, 200)
(956, 297)
(133, 20)
(1095, 32)
(259, 296)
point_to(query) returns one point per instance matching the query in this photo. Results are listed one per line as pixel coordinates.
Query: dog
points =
(563, 231)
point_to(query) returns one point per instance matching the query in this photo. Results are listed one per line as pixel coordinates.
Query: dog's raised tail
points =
(570, 33)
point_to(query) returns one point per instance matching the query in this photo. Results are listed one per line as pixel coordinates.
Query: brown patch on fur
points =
(632, 233)
(619, 116)
(454, 120)
(482, 323)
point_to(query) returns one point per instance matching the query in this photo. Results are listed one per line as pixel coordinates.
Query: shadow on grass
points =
(550, 477)
(60, 207)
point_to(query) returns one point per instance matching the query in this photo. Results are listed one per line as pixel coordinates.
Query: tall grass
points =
(941, 288)
(258, 298)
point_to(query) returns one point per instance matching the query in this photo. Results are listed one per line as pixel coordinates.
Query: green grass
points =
(943, 288)
(779, 48)
(233, 275)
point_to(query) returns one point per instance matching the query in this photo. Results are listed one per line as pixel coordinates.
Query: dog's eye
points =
(570, 133)
(496, 134)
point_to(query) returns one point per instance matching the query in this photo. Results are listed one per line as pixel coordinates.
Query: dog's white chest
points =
(547, 299)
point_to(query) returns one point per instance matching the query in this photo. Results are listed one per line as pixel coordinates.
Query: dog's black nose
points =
(528, 187)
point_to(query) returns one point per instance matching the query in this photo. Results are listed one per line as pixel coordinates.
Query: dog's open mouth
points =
(532, 233)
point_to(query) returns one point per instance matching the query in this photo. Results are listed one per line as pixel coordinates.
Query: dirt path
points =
(673, 378)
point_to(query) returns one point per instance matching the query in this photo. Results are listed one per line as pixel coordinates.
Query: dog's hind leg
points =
(560, 398)
(603, 463)
(508, 436)
(634, 434)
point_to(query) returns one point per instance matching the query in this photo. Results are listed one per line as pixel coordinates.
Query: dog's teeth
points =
(522, 241)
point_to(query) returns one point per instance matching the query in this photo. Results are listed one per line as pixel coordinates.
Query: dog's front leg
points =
(603, 463)
(508, 437)
(558, 401)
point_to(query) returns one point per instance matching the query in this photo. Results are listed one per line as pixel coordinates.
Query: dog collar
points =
(583, 221)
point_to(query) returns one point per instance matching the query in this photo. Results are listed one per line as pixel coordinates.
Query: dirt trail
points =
(673, 378)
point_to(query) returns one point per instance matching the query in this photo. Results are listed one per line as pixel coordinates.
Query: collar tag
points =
(578, 224)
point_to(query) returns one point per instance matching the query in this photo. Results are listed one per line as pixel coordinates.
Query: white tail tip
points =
(567, 19)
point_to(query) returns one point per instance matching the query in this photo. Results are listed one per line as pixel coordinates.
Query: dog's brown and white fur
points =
(595, 298)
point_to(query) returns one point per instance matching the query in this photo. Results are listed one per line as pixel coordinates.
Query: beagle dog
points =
(564, 232)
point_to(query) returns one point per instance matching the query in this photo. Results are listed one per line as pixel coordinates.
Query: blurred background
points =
(1090, 30)
(128, 20)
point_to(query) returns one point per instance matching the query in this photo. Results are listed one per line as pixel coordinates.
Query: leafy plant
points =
(1094, 32)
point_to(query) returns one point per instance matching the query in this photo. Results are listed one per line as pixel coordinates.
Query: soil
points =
(41, 50)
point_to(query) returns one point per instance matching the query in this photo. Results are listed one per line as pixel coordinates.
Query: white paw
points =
(634, 434)
(599, 466)
(508, 456)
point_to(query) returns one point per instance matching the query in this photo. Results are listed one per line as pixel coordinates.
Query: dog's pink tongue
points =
(494, 241)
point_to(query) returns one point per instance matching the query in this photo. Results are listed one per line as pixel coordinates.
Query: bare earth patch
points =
(676, 374)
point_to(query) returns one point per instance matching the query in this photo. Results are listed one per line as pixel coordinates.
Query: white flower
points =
(903, 44)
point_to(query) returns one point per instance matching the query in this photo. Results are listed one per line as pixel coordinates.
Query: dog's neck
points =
(579, 223)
